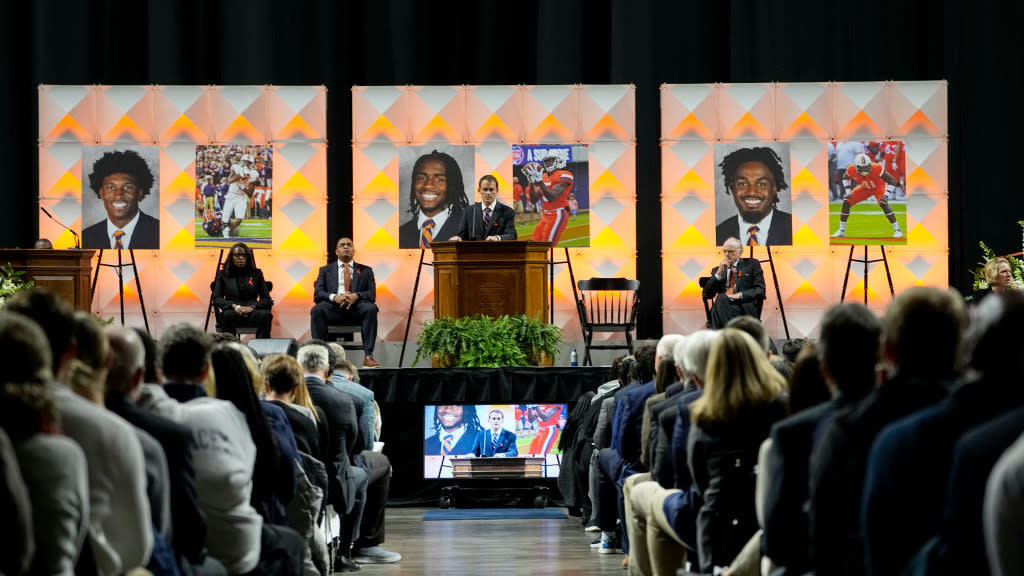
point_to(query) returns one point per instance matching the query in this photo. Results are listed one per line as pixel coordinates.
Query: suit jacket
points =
(363, 283)
(247, 290)
(465, 445)
(409, 233)
(362, 398)
(780, 234)
(749, 284)
(343, 427)
(146, 235)
(503, 223)
(506, 444)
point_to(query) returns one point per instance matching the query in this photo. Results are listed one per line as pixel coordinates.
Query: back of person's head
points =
(751, 326)
(782, 366)
(86, 374)
(791, 349)
(666, 345)
(24, 351)
(26, 409)
(149, 345)
(54, 315)
(613, 370)
(184, 353)
(281, 373)
(314, 357)
(849, 347)
(738, 377)
(337, 355)
(666, 374)
(922, 331)
(625, 369)
(698, 346)
(223, 338)
(252, 364)
(643, 368)
(807, 384)
(128, 359)
(349, 370)
(995, 340)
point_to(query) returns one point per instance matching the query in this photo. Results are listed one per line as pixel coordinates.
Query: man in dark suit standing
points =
(120, 180)
(496, 442)
(346, 292)
(754, 177)
(739, 284)
(487, 219)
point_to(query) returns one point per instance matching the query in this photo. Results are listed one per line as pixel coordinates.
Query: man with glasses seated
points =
(739, 286)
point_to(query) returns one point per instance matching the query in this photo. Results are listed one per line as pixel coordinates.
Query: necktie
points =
(446, 446)
(732, 278)
(348, 277)
(753, 230)
(427, 233)
(487, 220)
(494, 443)
(117, 239)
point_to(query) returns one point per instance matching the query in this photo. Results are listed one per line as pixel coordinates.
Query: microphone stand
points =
(78, 239)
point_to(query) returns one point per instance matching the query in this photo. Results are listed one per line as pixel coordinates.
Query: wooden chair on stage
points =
(607, 305)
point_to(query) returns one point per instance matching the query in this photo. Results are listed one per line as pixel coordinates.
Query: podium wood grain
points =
(65, 272)
(490, 278)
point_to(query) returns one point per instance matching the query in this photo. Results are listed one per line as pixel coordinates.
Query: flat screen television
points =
(491, 431)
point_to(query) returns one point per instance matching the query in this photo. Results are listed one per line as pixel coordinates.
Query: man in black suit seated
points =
(346, 292)
(437, 199)
(753, 177)
(739, 284)
(487, 219)
(120, 180)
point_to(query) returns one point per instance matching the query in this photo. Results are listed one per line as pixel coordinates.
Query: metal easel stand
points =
(412, 305)
(865, 260)
(121, 264)
(775, 280)
(551, 281)
(209, 307)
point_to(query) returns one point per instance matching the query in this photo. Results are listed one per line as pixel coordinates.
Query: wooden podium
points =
(65, 272)
(515, 467)
(490, 278)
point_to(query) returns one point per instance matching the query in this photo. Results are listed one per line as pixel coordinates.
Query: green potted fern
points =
(440, 339)
(538, 340)
(479, 341)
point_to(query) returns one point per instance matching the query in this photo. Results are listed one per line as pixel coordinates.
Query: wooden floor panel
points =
(491, 547)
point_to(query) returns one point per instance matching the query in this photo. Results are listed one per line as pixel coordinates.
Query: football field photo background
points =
(694, 117)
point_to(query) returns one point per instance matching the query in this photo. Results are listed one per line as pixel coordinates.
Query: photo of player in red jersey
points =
(876, 172)
(551, 175)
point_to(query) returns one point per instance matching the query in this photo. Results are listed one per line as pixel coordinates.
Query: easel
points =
(412, 305)
(209, 307)
(775, 280)
(866, 261)
(120, 281)
(551, 281)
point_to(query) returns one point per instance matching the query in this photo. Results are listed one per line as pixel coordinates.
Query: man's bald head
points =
(129, 365)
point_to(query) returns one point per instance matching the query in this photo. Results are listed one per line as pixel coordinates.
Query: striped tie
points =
(427, 234)
(753, 230)
(117, 239)
(494, 443)
(446, 447)
(487, 220)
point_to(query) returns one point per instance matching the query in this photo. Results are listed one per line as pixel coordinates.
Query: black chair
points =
(607, 305)
(707, 301)
(239, 330)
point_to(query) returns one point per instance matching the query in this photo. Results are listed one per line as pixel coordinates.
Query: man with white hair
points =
(358, 479)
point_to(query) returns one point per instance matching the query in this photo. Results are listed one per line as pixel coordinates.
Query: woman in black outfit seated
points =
(740, 403)
(240, 293)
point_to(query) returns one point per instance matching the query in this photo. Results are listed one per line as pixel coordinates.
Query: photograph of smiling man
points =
(432, 192)
(752, 199)
(120, 191)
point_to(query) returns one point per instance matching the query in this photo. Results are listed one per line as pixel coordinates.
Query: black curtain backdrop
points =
(339, 44)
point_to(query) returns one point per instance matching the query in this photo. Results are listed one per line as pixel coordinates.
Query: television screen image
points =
(867, 192)
(234, 195)
(491, 431)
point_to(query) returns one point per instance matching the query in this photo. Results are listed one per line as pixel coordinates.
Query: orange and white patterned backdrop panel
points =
(492, 119)
(176, 279)
(810, 273)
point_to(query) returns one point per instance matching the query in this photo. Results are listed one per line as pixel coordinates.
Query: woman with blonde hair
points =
(999, 275)
(740, 403)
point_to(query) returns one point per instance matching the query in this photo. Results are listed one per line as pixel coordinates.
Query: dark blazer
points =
(363, 283)
(409, 233)
(343, 427)
(146, 235)
(503, 223)
(247, 290)
(749, 283)
(307, 438)
(627, 429)
(780, 234)
(465, 445)
(506, 444)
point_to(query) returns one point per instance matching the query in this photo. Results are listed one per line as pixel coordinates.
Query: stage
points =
(403, 392)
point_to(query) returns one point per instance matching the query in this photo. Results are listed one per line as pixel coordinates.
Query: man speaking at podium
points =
(487, 219)
(496, 442)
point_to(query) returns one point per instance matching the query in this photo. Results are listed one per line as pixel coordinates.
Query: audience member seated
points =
(848, 368)
(120, 527)
(88, 370)
(52, 466)
(17, 542)
(241, 295)
(362, 397)
(730, 421)
(1003, 521)
(922, 369)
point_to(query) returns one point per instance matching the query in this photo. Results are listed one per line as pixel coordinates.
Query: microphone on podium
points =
(78, 240)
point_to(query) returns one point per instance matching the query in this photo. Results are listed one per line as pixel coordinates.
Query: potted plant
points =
(441, 340)
(12, 282)
(537, 339)
(479, 341)
(489, 342)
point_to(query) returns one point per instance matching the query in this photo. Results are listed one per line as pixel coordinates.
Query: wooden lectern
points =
(490, 278)
(65, 272)
(515, 467)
